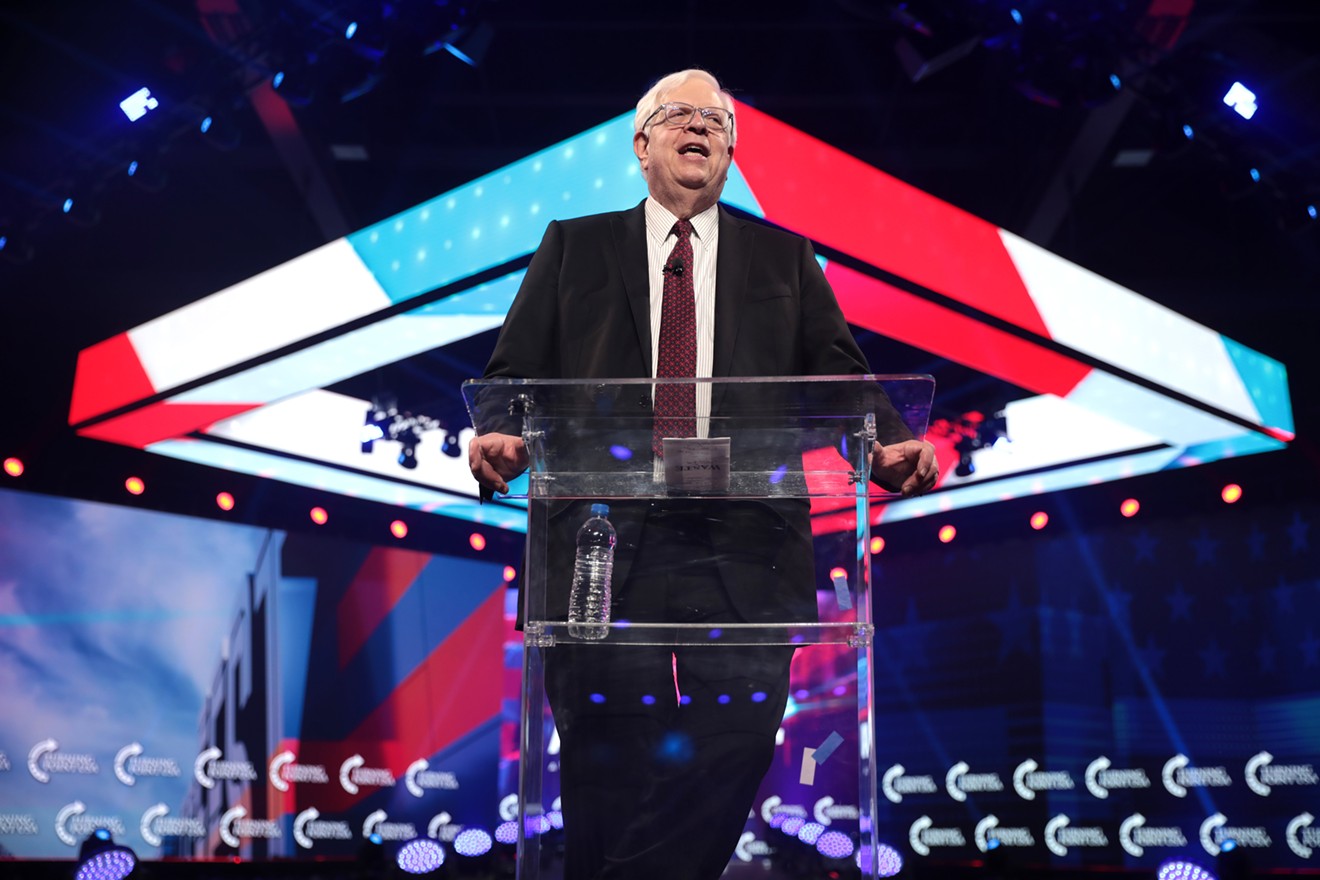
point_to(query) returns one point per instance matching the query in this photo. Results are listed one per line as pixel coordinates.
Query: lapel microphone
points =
(674, 267)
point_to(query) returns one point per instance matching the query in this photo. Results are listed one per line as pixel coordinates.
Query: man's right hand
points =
(494, 459)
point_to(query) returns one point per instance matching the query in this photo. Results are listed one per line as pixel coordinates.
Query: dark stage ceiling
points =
(1016, 123)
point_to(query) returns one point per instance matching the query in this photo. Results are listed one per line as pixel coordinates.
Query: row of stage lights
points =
(100, 858)
(334, 47)
(947, 533)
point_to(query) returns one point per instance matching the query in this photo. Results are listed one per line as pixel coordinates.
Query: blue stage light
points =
(68, 205)
(507, 832)
(1175, 869)
(132, 168)
(206, 124)
(136, 105)
(99, 858)
(888, 861)
(350, 30)
(834, 845)
(792, 825)
(1188, 132)
(1241, 99)
(1115, 81)
(810, 832)
(277, 80)
(1255, 175)
(4, 240)
(472, 842)
(1016, 15)
(1310, 212)
(1228, 845)
(420, 856)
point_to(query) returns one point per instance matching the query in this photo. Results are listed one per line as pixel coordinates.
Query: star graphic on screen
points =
(1256, 541)
(1310, 649)
(1213, 657)
(1283, 597)
(1145, 546)
(1240, 603)
(1205, 547)
(1265, 655)
(1297, 530)
(1152, 656)
(1014, 625)
(1180, 603)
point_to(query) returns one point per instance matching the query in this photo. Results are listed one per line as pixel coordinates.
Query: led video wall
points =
(1112, 385)
(203, 689)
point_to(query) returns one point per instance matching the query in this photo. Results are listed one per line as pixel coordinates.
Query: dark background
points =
(1024, 130)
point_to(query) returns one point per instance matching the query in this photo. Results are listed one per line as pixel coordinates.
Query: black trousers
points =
(663, 748)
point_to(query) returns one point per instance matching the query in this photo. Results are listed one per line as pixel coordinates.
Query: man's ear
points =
(730, 151)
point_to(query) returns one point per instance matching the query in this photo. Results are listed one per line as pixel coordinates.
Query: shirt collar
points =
(660, 221)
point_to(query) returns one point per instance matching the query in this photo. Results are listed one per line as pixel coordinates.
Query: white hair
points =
(656, 94)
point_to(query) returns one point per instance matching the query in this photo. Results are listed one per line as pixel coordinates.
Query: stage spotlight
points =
(135, 485)
(100, 858)
(146, 173)
(1130, 507)
(472, 842)
(1179, 869)
(1232, 493)
(408, 455)
(139, 104)
(319, 516)
(450, 447)
(421, 855)
(947, 534)
(224, 501)
(219, 131)
(834, 845)
(293, 82)
(399, 529)
(80, 209)
(477, 541)
(888, 861)
(14, 467)
(1242, 100)
(507, 832)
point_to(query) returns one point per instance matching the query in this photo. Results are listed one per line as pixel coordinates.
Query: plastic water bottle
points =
(589, 600)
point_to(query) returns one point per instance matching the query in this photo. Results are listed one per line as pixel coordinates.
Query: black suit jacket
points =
(583, 312)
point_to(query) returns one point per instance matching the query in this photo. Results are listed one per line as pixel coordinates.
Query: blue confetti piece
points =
(832, 742)
(841, 592)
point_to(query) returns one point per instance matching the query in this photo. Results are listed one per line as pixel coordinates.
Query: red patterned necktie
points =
(676, 404)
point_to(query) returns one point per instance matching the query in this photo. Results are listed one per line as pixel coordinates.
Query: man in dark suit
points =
(662, 751)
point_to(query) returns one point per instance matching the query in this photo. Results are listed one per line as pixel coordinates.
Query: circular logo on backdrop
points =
(45, 759)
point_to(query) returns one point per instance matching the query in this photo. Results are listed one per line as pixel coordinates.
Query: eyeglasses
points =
(678, 115)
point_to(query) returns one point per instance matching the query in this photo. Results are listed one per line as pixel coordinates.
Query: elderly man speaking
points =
(662, 750)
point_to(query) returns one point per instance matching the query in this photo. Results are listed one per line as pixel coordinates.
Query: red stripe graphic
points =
(820, 191)
(384, 578)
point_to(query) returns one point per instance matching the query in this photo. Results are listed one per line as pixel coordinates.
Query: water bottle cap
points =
(600, 510)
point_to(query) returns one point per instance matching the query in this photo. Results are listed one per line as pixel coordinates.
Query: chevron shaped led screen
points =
(1112, 385)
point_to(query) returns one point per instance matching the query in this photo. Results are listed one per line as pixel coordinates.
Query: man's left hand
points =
(908, 467)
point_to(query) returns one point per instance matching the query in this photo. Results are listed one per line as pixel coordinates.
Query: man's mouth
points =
(698, 149)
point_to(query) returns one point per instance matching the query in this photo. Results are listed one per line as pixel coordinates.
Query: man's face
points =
(683, 162)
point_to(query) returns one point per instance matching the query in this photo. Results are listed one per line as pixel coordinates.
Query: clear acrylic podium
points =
(724, 713)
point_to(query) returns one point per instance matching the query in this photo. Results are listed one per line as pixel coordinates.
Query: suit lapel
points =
(732, 265)
(629, 230)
